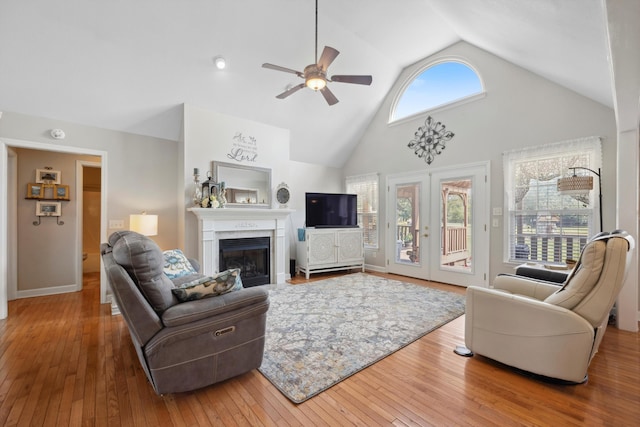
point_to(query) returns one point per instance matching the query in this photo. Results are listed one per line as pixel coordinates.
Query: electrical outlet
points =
(116, 224)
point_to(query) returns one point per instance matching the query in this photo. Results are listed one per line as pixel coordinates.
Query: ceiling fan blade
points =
(327, 57)
(329, 96)
(291, 91)
(359, 80)
(279, 68)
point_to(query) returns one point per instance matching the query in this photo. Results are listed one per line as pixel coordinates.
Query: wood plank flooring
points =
(64, 360)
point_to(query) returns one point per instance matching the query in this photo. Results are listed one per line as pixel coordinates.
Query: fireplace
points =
(217, 225)
(250, 255)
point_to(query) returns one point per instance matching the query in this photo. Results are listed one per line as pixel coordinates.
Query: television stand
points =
(330, 249)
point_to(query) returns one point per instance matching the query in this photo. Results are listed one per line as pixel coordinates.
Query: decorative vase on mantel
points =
(197, 193)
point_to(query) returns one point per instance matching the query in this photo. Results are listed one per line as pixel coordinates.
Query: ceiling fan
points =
(315, 75)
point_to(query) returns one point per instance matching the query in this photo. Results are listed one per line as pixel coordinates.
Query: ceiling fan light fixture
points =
(316, 83)
(314, 78)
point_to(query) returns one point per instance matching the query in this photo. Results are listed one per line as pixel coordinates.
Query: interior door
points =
(437, 225)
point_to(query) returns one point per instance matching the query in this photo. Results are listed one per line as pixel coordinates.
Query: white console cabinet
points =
(330, 249)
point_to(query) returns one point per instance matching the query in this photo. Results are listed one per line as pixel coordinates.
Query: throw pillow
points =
(221, 283)
(176, 264)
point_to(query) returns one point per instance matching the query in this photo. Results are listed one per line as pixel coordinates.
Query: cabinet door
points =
(322, 248)
(350, 246)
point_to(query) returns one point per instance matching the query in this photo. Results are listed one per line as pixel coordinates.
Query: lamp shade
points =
(147, 225)
(575, 185)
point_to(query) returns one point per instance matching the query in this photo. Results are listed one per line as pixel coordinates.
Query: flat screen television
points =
(330, 210)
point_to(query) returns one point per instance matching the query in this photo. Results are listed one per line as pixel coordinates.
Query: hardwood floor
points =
(64, 360)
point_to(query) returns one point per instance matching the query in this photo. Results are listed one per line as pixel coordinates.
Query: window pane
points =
(544, 225)
(407, 223)
(366, 188)
(456, 225)
(437, 85)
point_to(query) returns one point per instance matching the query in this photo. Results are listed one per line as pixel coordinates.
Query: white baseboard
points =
(30, 293)
(375, 268)
(115, 310)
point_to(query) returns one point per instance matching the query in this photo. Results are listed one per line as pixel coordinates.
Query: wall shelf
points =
(48, 192)
(42, 199)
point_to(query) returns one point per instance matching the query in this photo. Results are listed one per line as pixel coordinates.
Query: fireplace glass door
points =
(250, 255)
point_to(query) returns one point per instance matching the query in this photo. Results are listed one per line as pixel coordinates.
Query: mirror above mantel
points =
(246, 186)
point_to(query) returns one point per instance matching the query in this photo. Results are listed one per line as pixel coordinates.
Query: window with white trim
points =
(543, 225)
(439, 84)
(366, 188)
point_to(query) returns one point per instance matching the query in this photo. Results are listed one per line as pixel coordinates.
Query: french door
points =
(437, 225)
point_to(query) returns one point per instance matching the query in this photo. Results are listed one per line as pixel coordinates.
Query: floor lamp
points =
(580, 185)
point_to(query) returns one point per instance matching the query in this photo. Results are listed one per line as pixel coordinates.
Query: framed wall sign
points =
(47, 176)
(48, 209)
(61, 192)
(35, 191)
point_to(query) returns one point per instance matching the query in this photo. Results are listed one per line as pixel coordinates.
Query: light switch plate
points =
(116, 224)
(497, 211)
(495, 222)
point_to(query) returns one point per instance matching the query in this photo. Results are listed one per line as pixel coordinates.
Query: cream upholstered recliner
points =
(548, 330)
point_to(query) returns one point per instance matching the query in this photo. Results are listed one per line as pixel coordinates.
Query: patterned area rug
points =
(320, 333)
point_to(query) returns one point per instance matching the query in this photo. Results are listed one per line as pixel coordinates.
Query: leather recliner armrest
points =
(191, 311)
(519, 285)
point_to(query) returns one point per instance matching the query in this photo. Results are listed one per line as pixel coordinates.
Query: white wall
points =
(520, 109)
(141, 171)
(48, 255)
(209, 136)
(310, 178)
(141, 175)
(624, 44)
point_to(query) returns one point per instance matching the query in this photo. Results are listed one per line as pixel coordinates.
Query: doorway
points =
(437, 225)
(7, 180)
(89, 185)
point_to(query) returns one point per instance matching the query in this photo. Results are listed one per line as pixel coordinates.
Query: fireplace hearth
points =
(250, 255)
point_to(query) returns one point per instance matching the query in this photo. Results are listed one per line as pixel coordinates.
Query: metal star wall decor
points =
(429, 140)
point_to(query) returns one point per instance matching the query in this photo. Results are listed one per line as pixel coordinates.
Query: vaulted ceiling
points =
(129, 65)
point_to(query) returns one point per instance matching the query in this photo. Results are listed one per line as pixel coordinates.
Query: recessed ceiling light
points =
(220, 62)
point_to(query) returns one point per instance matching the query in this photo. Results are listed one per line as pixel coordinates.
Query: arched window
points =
(439, 84)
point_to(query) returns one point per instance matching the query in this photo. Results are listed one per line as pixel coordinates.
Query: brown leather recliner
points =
(182, 346)
(545, 329)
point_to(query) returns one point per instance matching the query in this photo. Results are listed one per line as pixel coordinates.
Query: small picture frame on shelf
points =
(47, 176)
(61, 192)
(48, 209)
(35, 191)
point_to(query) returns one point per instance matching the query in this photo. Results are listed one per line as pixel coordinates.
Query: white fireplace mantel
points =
(229, 223)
